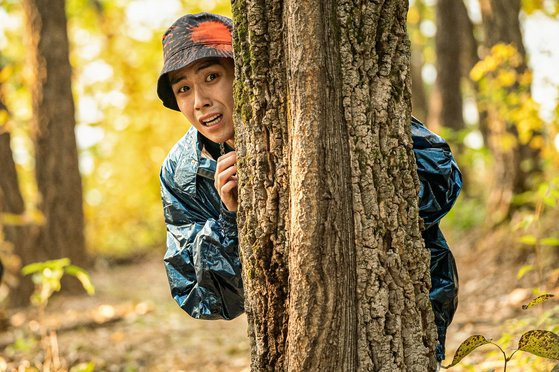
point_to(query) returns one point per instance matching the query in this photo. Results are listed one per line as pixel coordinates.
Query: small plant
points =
(47, 276)
(537, 342)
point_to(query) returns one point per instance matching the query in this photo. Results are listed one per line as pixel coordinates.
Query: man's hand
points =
(225, 180)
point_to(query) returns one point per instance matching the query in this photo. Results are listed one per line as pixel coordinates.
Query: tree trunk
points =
(502, 25)
(470, 57)
(419, 98)
(419, 102)
(448, 48)
(56, 166)
(11, 202)
(336, 275)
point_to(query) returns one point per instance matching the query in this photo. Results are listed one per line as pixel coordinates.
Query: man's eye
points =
(211, 77)
(183, 89)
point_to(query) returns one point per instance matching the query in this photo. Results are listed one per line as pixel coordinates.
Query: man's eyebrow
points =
(173, 79)
(176, 78)
(206, 64)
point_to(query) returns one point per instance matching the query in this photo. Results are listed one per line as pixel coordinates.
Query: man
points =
(200, 194)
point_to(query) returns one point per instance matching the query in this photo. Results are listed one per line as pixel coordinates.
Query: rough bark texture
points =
(336, 275)
(502, 25)
(11, 202)
(448, 48)
(57, 172)
(262, 151)
(322, 267)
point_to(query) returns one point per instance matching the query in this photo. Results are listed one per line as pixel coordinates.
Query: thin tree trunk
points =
(470, 56)
(449, 75)
(56, 166)
(11, 202)
(419, 98)
(420, 106)
(336, 275)
(502, 25)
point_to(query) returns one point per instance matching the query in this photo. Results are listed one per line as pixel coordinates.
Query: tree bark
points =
(502, 25)
(56, 166)
(336, 275)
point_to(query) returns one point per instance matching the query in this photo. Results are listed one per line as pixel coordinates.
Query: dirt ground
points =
(135, 326)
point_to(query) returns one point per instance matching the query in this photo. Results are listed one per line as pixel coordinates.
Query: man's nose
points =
(201, 98)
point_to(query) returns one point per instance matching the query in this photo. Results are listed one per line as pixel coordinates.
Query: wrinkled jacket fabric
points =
(202, 259)
(440, 183)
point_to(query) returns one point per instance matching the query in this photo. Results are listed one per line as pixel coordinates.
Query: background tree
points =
(449, 64)
(56, 158)
(333, 259)
(19, 234)
(420, 107)
(515, 157)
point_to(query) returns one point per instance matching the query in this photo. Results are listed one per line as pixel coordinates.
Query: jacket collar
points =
(192, 163)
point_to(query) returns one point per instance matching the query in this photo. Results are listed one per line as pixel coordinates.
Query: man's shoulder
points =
(184, 148)
(179, 167)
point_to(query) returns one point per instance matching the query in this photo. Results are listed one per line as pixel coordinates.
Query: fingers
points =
(229, 194)
(229, 190)
(225, 175)
(226, 161)
(225, 180)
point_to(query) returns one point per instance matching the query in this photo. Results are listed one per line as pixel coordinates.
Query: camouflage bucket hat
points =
(190, 38)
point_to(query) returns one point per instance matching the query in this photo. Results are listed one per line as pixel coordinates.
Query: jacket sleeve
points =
(439, 176)
(202, 259)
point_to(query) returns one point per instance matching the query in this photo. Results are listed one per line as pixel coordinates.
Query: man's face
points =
(204, 94)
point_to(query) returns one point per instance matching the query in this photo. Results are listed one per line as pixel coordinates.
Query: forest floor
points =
(132, 324)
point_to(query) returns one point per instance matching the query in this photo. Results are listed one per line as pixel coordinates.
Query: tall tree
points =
(502, 25)
(419, 97)
(336, 275)
(56, 165)
(468, 59)
(11, 202)
(448, 46)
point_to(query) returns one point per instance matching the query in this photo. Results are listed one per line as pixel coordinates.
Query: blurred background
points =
(484, 77)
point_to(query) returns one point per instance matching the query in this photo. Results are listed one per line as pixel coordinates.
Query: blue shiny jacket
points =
(202, 260)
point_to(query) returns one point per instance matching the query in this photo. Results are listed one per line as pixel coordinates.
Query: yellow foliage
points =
(4, 116)
(413, 16)
(506, 78)
(526, 78)
(507, 142)
(5, 73)
(503, 52)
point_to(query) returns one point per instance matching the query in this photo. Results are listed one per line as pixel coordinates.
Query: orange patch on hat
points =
(213, 34)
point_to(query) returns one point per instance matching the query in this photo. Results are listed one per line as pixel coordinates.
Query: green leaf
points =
(537, 300)
(528, 239)
(33, 268)
(541, 343)
(554, 242)
(83, 367)
(466, 347)
(82, 276)
(524, 270)
(36, 267)
(556, 368)
(550, 201)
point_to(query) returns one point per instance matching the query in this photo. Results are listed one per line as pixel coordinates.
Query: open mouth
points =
(212, 120)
